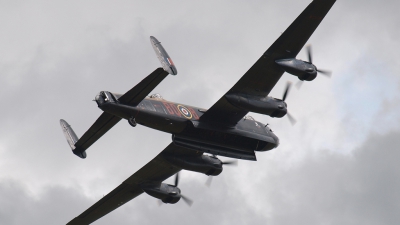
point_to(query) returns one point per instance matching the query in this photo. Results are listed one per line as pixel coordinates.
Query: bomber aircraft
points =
(224, 129)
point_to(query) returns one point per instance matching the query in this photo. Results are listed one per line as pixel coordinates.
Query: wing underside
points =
(156, 171)
(265, 73)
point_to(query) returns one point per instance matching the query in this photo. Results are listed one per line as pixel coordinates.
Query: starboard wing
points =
(265, 73)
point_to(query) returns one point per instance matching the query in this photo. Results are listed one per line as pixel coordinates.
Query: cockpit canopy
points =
(156, 96)
(247, 117)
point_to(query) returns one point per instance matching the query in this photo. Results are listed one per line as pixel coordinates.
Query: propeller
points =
(309, 54)
(176, 180)
(229, 163)
(292, 120)
(324, 72)
(299, 84)
(209, 181)
(187, 200)
(285, 94)
(327, 73)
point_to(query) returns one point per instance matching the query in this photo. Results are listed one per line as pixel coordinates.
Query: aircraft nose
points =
(276, 139)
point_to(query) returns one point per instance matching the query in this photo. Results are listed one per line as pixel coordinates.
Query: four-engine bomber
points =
(184, 123)
(199, 135)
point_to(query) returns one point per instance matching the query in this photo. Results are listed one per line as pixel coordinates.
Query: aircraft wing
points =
(265, 73)
(106, 121)
(157, 170)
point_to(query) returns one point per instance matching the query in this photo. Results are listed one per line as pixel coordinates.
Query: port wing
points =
(265, 73)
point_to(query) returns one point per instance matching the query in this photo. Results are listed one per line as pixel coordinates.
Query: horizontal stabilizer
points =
(163, 56)
(106, 121)
(103, 124)
(134, 96)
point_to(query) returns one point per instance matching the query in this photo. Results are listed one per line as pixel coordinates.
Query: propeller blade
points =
(209, 181)
(176, 179)
(291, 118)
(299, 83)
(231, 163)
(309, 54)
(286, 90)
(325, 72)
(187, 200)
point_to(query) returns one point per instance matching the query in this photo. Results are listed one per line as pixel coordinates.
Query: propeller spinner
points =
(323, 72)
(302, 69)
(187, 200)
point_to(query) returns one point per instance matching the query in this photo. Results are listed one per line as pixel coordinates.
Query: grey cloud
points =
(56, 57)
(53, 206)
(330, 188)
(324, 188)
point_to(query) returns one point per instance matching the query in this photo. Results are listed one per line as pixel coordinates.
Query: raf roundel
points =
(185, 112)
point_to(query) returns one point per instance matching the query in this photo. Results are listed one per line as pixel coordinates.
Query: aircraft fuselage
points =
(187, 129)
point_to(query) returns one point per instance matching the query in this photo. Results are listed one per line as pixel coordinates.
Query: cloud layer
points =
(337, 165)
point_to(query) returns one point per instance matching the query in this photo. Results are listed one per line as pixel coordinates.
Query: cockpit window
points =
(248, 118)
(156, 96)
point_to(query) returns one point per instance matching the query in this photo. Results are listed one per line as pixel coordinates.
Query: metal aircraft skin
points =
(223, 130)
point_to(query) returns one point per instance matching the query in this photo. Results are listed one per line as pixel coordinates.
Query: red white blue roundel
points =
(185, 111)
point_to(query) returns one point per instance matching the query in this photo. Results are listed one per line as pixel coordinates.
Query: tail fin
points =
(71, 138)
(163, 56)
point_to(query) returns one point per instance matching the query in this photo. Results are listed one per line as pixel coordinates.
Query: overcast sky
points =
(337, 165)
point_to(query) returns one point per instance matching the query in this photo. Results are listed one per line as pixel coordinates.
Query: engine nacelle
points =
(201, 164)
(303, 70)
(268, 106)
(165, 192)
